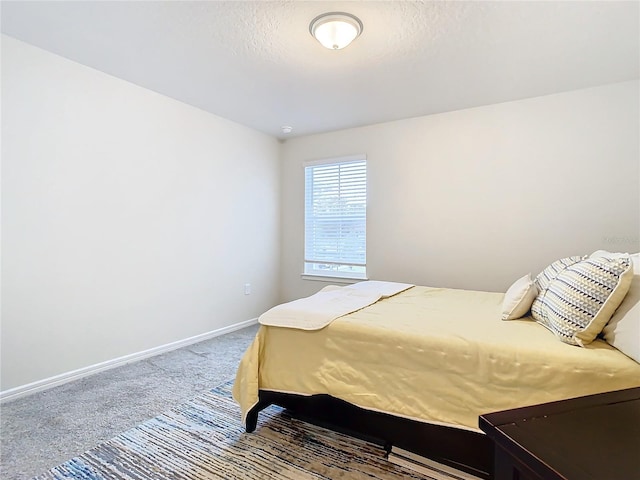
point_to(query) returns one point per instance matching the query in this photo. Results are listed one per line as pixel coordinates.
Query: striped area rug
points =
(204, 439)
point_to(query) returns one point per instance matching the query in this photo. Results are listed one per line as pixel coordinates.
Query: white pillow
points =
(623, 330)
(518, 299)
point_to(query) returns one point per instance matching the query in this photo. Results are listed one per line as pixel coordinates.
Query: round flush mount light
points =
(335, 30)
(286, 129)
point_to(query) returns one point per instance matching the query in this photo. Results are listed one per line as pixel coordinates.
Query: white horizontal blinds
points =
(335, 217)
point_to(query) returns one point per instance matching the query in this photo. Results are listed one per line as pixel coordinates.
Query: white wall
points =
(476, 198)
(129, 220)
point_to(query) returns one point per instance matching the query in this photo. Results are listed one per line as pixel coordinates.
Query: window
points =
(335, 217)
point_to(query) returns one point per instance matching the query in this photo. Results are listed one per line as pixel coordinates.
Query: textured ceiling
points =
(254, 62)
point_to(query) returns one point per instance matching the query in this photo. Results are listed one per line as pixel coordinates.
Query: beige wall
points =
(476, 198)
(129, 220)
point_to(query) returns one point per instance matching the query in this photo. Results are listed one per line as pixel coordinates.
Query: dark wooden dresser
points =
(596, 437)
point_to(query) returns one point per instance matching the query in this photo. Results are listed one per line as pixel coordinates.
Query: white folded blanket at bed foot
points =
(319, 310)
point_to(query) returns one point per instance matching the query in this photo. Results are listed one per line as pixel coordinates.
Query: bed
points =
(416, 369)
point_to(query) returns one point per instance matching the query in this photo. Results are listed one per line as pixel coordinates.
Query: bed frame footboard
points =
(465, 450)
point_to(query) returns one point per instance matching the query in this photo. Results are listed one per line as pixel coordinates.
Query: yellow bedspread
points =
(431, 354)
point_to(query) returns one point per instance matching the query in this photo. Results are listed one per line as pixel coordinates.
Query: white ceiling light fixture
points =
(335, 30)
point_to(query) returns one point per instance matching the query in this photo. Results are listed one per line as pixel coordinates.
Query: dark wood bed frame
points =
(465, 450)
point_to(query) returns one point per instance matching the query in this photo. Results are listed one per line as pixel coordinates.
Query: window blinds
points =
(335, 217)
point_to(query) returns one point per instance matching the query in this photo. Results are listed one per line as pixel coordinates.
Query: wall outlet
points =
(247, 289)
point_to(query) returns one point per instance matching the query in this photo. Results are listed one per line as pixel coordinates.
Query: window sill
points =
(330, 279)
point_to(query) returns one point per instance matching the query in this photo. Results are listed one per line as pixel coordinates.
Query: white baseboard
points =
(23, 390)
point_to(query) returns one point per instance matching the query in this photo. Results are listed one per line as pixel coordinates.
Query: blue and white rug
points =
(204, 439)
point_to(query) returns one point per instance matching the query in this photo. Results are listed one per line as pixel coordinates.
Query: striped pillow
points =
(579, 301)
(548, 274)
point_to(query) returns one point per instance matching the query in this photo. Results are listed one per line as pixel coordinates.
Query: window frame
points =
(334, 276)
